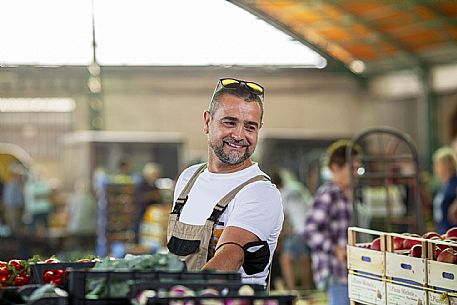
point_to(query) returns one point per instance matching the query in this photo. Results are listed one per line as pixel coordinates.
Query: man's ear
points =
(206, 121)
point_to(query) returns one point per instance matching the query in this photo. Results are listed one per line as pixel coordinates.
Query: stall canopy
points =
(367, 37)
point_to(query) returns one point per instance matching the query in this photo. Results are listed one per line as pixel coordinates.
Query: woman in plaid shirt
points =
(326, 226)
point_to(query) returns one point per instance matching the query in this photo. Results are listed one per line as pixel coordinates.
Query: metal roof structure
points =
(367, 37)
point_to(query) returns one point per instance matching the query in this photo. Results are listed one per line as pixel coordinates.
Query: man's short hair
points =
(337, 152)
(241, 92)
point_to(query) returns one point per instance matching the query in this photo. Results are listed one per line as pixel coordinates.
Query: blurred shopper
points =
(452, 212)
(444, 168)
(295, 200)
(148, 194)
(82, 210)
(227, 215)
(125, 173)
(327, 224)
(38, 203)
(13, 199)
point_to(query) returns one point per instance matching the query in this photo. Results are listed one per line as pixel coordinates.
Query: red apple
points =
(452, 232)
(376, 244)
(430, 235)
(398, 243)
(409, 243)
(447, 256)
(416, 251)
(453, 242)
(439, 249)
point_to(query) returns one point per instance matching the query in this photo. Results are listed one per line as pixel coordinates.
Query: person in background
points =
(227, 215)
(444, 168)
(295, 200)
(148, 194)
(452, 125)
(37, 203)
(125, 173)
(327, 223)
(82, 209)
(13, 199)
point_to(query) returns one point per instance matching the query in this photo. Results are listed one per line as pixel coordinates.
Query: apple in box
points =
(452, 232)
(439, 248)
(431, 235)
(409, 243)
(453, 242)
(376, 244)
(416, 251)
(447, 256)
(398, 243)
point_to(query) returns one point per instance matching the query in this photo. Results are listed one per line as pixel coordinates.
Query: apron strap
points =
(182, 198)
(222, 204)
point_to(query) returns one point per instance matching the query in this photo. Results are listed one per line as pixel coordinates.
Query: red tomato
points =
(26, 276)
(52, 260)
(58, 272)
(19, 281)
(3, 279)
(4, 271)
(57, 281)
(48, 276)
(3, 264)
(17, 264)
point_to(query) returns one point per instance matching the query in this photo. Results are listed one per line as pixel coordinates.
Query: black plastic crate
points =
(24, 292)
(38, 269)
(221, 300)
(223, 289)
(50, 301)
(137, 281)
(112, 301)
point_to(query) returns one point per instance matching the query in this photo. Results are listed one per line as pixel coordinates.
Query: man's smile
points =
(234, 145)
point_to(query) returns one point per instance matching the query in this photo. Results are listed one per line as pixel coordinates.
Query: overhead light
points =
(357, 66)
(37, 105)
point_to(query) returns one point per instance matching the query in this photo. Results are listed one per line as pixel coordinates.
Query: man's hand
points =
(341, 254)
(230, 257)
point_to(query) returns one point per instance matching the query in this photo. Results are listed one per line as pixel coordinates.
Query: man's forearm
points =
(228, 258)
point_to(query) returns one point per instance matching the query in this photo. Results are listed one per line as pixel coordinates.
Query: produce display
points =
(443, 252)
(405, 269)
(14, 273)
(135, 279)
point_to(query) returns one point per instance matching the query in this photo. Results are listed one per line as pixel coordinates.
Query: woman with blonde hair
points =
(444, 168)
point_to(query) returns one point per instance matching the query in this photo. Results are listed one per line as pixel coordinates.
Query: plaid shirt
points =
(325, 227)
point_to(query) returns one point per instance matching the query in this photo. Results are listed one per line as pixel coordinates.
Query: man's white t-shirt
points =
(256, 208)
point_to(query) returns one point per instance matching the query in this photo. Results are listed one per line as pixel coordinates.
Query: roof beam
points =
(286, 29)
(443, 19)
(385, 37)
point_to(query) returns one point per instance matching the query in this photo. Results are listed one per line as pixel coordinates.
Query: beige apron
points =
(193, 243)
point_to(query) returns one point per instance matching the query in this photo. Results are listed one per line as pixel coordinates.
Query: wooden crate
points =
(366, 283)
(406, 267)
(442, 275)
(405, 294)
(366, 260)
(436, 298)
(362, 259)
(367, 289)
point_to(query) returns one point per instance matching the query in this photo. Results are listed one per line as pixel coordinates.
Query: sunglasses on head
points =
(232, 83)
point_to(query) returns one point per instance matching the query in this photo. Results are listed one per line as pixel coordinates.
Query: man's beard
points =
(233, 158)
